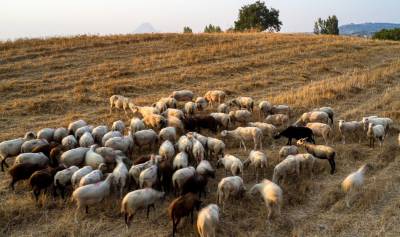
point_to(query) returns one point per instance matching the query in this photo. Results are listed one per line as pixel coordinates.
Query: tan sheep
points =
(215, 96)
(321, 130)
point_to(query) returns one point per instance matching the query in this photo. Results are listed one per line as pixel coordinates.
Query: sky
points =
(42, 18)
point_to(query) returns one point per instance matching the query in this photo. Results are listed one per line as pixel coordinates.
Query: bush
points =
(393, 34)
(187, 29)
(212, 29)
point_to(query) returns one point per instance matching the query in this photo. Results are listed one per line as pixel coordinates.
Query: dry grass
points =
(47, 83)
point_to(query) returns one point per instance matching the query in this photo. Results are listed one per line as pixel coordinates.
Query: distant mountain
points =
(366, 29)
(145, 28)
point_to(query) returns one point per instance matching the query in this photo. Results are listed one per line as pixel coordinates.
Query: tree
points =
(212, 29)
(187, 29)
(329, 26)
(257, 16)
(385, 34)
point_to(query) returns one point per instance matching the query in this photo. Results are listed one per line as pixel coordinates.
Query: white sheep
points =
(77, 175)
(272, 195)
(385, 122)
(201, 103)
(350, 128)
(91, 194)
(215, 147)
(155, 121)
(59, 134)
(176, 123)
(30, 145)
(74, 156)
(243, 103)
(32, 158)
(80, 131)
(92, 158)
(224, 120)
(120, 174)
(181, 176)
(174, 113)
(329, 111)
(73, 126)
(148, 177)
(180, 161)
(313, 117)
(267, 129)
(166, 150)
(69, 142)
(170, 102)
(354, 182)
(136, 125)
(46, 133)
(320, 151)
(202, 139)
(94, 176)
(288, 150)
(135, 170)
(289, 166)
(118, 126)
(231, 163)
(13, 147)
(160, 106)
(119, 102)
(277, 119)
(198, 151)
(138, 199)
(205, 168)
(246, 134)
(258, 160)
(215, 96)
(124, 144)
(189, 108)
(321, 130)
(86, 140)
(109, 135)
(182, 95)
(264, 108)
(375, 132)
(144, 110)
(208, 220)
(223, 108)
(147, 137)
(230, 187)
(280, 109)
(63, 178)
(167, 133)
(98, 133)
(185, 144)
(240, 116)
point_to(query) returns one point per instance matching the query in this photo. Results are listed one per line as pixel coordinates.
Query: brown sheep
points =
(181, 207)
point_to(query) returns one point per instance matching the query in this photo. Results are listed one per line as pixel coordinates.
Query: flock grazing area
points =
(48, 83)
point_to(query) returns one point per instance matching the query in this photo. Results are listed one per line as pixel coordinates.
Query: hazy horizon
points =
(43, 18)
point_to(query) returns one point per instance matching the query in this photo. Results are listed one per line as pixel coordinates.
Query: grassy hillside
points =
(48, 83)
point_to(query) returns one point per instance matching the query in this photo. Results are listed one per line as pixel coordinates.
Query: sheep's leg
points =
(4, 163)
(191, 216)
(36, 193)
(77, 213)
(12, 183)
(244, 145)
(269, 208)
(87, 209)
(333, 165)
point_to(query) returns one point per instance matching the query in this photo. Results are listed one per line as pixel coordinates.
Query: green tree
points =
(212, 29)
(258, 17)
(329, 26)
(187, 29)
(385, 34)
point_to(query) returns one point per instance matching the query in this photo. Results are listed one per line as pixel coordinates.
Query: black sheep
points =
(296, 133)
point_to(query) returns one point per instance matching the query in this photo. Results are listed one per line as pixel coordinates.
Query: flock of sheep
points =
(94, 161)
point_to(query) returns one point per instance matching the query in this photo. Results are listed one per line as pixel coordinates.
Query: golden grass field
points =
(48, 83)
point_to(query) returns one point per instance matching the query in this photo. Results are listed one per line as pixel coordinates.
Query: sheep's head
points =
(219, 163)
(301, 142)
(30, 135)
(102, 167)
(224, 133)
